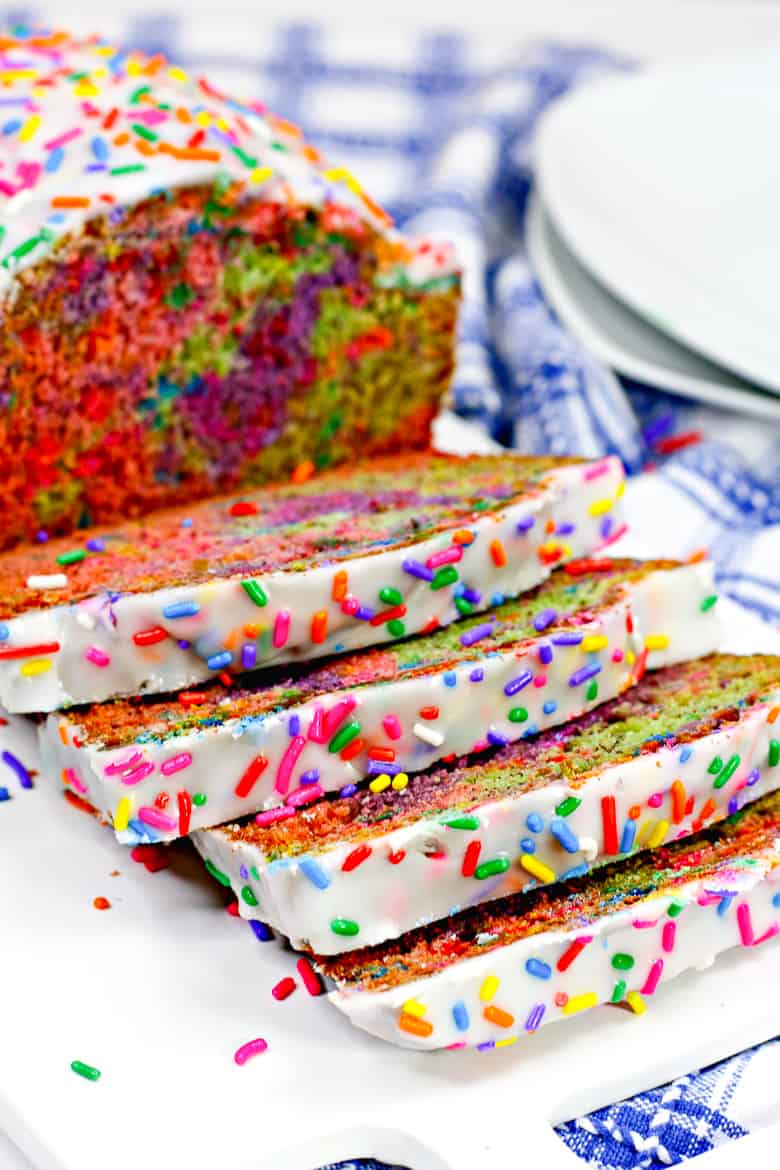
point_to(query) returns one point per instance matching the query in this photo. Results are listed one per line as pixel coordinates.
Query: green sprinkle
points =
(567, 806)
(622, 962)
(592, 690)
(144, 132)
(247, 159)
(248, 894)
(255, 592)
(344, 926)
(219, 876)
(180, 296)
(137, 94)
(396, 628)
(447, 575)
(130, 169)
(708, 602)
(465, 821)
(199, 798)
(390, 596)
(728, 771)
(491, 868)
(463, 606)
(22, 250)
(71, 558)
(674, 909)
(87, 1071)
(347, 733)
(518, 715)
(619, 991)
(715, 766)
(774, 753)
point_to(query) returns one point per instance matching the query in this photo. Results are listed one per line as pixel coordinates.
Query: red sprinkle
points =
(150, 637)
(356, 858)
(397, 857)
(191, 698)
(255, 770)
(677, 442)
(244, 508)
(429, 712)
(184, 801)
(588, 565)
(232, 909)
(284, 988)
(609, 821)
(470, 858)
(29, 651)
(309, 977)
(388, 615)
(152, 857)
(570, 954)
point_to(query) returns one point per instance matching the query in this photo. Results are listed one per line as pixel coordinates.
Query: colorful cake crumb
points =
(191, 299)
(390, 547)
(284, 738)
(494, 974)
(686, 747)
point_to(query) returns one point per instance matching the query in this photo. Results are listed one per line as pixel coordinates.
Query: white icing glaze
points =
(385, 900)
(67, 677)
(665, 602)
(500, 979)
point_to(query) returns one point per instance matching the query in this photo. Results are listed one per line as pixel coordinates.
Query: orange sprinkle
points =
(70, 201)
(707, 810)
(353, 749)
(63, 734)
(303, 471)
(549, 527)
(678, 801)
(375, 209)
(340, 585)
(635, 812)
(145, 148)
(101, 904)
(772, 716)
(498, 553)
(122, 139)
(319, 626)
(462, 536)
(183, 115)
(79, 802)
(230, 641)
(286, 127)
(414, 1025)
(251, 630)
(199, 155)
(497, 1015)
(699, 554)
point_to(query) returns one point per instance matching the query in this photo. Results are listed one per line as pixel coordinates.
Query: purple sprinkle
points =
(416, 569)
(96, 544)
(41, 536)
(753, 778)
(16, 765)
(658, 427)
(584, 673)
(497, 739)
(477, 634)
(526, 524)
(381, 768)
(544, 618)
(518, 683)
(310, 777)
(294, 726)
(534, 1017)
(348, 790)
(243, 873)
(364, 613)
(565, 529)
(183, 644)
(472, 595)
(486, 1045)
(262, 932)
(733, 805)
(477, 674)
(568, 639)
(606, 527)
(248, 655)
(545, 653)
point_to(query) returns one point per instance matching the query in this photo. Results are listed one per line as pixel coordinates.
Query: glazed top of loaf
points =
(87, 128)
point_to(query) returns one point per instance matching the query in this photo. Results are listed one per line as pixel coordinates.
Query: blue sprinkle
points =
(417, 569)
(545, 653)
(16, 765)
(54, 161)
(496, 738)
(96, 544)
(186, 522)
(243, 873)
(460, 1016)
(450, 678)
(4, 795)
(381, 768)
(310, 777)
(517, 684)
(726, 898)
(294, 726)
(526, 524)
(4, 632)
(498, 599)
(538, 969)
(550, 707)
(575, 872)
(219, 661)
(527, 845)
(567, 638)
(12, 126)
(181, 609)
(584, 673)
(314, 872)
(477, 675)
(261, 932)
(685, 755)
(100, 149)
(532, 729)
(534, 822)
(564, 836)
(776, 901)
(58, 217)
(628, 836)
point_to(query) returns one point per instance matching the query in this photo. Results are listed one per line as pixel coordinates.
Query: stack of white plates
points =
(655, 231)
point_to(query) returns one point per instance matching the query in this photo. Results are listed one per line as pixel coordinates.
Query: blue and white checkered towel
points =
(439, 127)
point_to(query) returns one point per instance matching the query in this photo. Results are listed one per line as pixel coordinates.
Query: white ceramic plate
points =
(623, 340)
(666, 185)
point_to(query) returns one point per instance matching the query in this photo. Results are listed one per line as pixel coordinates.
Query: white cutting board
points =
(160, 990)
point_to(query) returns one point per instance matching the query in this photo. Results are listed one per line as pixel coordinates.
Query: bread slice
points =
(495, 974)
(685, 747)
(278, 738)
(369, 554)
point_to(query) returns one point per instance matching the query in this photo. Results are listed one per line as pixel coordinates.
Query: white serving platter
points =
(665, 185)
(626, 341)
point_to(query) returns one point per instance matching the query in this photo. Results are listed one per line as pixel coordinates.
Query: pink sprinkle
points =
(284, 988)
(74, 780)
(96, 655)
(117, 766)
(656, 800)
(288, 761)
(540, 681)
(668, 936)
(653, 977)
(705, 898)
(770, 933)
(156, 818)
(617, 655)
(392, 726)
(272, 815)
(7, 188)
(305, 795)
(745, 925)
(281, 628)
(447, 556)
(481, 745)
(616, 535)
(316, 732)
(597, 471)
(251, 1048)
(28, 173)
(336, 716)
(176, 763)
(63, 139)
(138, 774)
(350, 606)
(644, 923)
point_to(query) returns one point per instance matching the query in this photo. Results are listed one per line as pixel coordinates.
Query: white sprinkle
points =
(53, 581)
(85, 620)
(428, 735)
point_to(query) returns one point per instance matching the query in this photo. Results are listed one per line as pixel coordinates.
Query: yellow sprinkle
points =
(488, 988)
(104, 50)
(86, 88)
(644, 831)
(133, 68)
(100, 72)
(630, 657)
(380, 783)
(599, 507)
(537, 868)
(506, 1043)
(400, 781)
(221, 124)
(579, 1003)
(621, 487)
(260, 174)
(594, 642)
(658, 834)
(203, 118)
(17, 74)
(413, 1007)
(29, 128)
(636, 1003)
(656, 641)
(35, 666)
(122, 814)
(177, 74)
